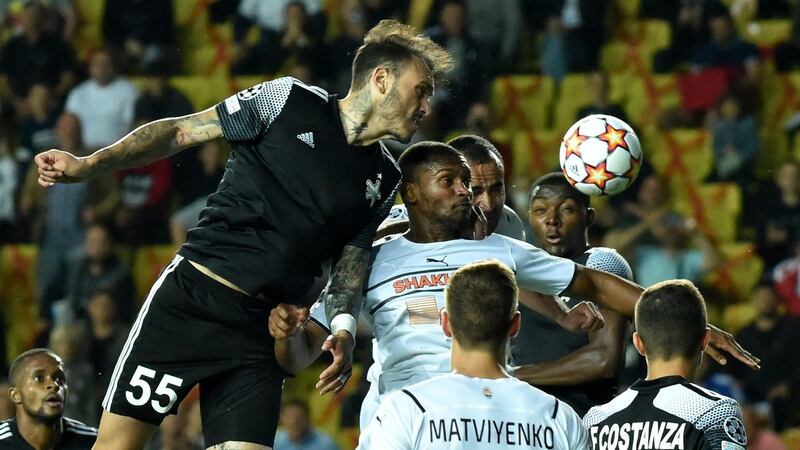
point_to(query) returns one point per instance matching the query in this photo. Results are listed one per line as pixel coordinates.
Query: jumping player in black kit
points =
(579, 368)
(308, 181)
(38, 388)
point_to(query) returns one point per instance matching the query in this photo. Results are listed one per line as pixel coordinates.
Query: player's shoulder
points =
(608, 260)
(510, 224)
(79, 428)
(8, 429)
(599, 413)
(695, 404)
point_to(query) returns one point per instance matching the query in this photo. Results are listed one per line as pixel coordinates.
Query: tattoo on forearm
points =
(347, 280)
(156, 140)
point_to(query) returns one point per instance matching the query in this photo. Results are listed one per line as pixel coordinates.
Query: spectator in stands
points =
(786, 276)
(376, 10)
(760, 432)
(466, 82)
(104, 103)
(99, 268)
(297, 433)
(735, 142)
(726, 49)
(496, 25)
(600, 89)
(37, 129)
(107, 334)
(145, 194)
(158, 100)
(35, 56)
(58, 217)
(71, 342)
(203, 183)
(787, 54)
(687, 20)
(640, 221)
(9, 175)
(144, 30)
(285, 27)
(340, 52)
(773, 336)
(778, 215)
(574, 30)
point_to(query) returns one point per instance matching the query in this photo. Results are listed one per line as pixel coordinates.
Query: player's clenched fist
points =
(56, 166)
(285, 320)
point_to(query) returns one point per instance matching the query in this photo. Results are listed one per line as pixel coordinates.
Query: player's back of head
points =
(557, 180)
(476, 149)
(392, 44)
(671, 319)
(422, 154)
(481, 301)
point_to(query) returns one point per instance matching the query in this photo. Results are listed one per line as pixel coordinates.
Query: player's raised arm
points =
(150, 142)
(620, 295)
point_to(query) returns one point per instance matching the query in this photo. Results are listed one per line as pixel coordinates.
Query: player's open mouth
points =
(54, 401)
(553, 239)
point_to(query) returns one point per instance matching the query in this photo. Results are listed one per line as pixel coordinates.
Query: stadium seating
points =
(681, 155)
(736, 275)
(148, 262)
(535, 153)
(522, 102)
(715, 207)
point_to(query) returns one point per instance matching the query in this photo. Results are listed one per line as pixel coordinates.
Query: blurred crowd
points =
(59, 89)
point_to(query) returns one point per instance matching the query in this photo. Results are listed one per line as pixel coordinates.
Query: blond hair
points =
(392, 44)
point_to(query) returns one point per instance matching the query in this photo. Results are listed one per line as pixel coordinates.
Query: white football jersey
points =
(405, 292)
(453, 411)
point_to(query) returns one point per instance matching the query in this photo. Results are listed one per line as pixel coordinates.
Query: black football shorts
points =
(192, 329)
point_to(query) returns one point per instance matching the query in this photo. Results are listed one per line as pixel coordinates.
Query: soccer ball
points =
(600, 155)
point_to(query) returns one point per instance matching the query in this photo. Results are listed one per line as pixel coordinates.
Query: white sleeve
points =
(73, 103)
(392, 427)
(577, 435)
(539, 271)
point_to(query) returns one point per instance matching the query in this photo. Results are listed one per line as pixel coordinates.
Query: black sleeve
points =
(366, 235)
(247, 114)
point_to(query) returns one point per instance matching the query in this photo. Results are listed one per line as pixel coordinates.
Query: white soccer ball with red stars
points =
(600, 155)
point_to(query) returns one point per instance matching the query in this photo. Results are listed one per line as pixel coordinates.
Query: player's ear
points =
(516, 321)
(638, 343)
(13, 394)
(410, 192)
(444, 321)
(705, 340)
(379, 81)
(591, 215)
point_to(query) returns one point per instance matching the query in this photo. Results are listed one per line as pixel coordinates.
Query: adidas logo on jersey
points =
(307, 138)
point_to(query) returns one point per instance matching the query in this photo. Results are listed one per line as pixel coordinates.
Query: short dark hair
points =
(671, 319)
(558, 179)
(481, 299)
(393, 44)
(422, 154)
(476, 149)
(19, 361)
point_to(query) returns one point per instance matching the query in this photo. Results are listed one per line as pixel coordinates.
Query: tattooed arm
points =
(343, 296)
(150, 142)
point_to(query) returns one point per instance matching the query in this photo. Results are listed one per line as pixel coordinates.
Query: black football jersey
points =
(293, 194)
(77, 436)
(667, 413)
(540, 339)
